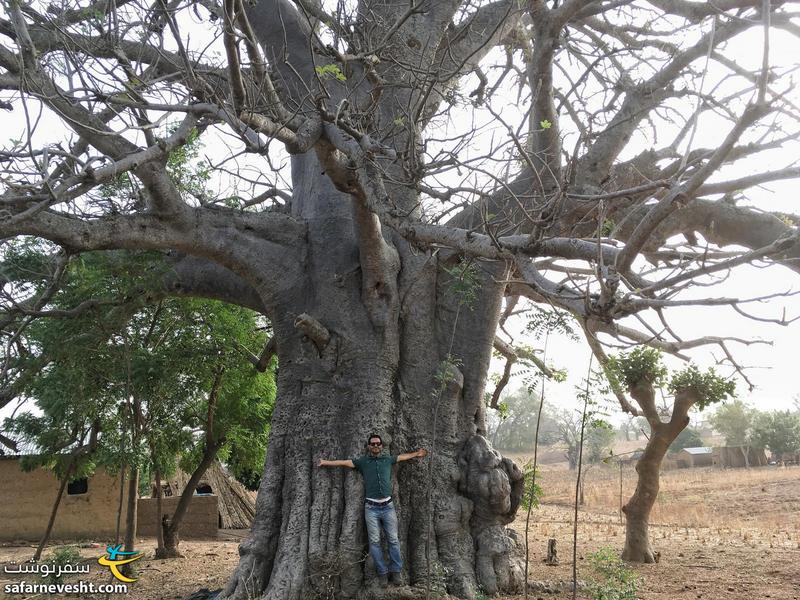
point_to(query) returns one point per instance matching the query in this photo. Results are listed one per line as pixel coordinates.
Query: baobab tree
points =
(382, 176)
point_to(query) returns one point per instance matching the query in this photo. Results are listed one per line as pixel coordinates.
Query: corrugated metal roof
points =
(699, 450)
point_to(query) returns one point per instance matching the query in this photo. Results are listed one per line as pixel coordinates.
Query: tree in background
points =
(640, 372)
(598, 441)
(735, 420)
(598, 437)
(351, 203)
(688, 438)
(514, 425)
(779, 431)
(628, 429)
(196, 379)
(156, 380)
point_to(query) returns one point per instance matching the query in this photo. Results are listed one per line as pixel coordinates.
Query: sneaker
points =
(381, 581)
(397, 579)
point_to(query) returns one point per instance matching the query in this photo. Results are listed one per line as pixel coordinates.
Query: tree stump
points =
(552, 553)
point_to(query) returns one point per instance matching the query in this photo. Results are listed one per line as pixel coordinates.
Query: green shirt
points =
(377, 473)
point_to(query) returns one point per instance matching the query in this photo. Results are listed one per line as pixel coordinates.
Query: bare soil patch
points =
(722, 534)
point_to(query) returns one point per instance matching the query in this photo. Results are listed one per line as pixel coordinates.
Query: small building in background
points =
(218, 502)
(734, 457)
(88, 509)
(695, 457)
(90, 506)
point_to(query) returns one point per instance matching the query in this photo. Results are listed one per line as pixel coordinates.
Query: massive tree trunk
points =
(358, 359)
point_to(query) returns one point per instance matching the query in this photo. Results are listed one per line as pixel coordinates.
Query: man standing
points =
(376, 469)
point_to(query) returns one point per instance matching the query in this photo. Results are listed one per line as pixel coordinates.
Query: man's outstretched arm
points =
(336, 463)
(421, 453)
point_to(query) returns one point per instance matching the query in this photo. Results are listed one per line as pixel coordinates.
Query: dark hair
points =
(374, 435)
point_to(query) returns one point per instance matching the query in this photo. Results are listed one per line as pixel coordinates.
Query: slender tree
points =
(641, 373)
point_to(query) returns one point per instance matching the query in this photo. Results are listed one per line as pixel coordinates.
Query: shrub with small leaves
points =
(61, 557)
(707, 388)
(614, 580)
(552, 320)
(503, 410)
(330, 71)
(533, 492)
(464, 284)
(447, 371)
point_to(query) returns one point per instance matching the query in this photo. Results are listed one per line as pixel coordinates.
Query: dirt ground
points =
(722, 535)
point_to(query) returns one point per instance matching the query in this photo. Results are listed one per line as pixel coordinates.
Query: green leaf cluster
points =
(61, 557)
(186, 172)
(464, 283)
(642, 365)
(551, 320)
(533, 491)
(446, 371)
(330, 71)
(707, 388)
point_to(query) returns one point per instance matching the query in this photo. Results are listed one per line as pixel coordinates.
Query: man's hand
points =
(421, 453)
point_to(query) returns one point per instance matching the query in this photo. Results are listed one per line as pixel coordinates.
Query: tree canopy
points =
(82, 370)
(779, 431)
(735, 421)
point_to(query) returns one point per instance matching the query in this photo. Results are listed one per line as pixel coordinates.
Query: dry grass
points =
(754, 508)
(723, 534)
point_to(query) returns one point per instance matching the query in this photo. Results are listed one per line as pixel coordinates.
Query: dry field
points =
(729, 534)
(722, 535)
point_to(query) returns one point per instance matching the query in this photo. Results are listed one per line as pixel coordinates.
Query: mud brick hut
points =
(88, 508)
(700, 456)
(734, 457)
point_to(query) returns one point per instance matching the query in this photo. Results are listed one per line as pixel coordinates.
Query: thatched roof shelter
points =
(237, 505)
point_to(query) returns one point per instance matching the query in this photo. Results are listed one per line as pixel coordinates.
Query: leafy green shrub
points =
(615, 581)
(65, 555)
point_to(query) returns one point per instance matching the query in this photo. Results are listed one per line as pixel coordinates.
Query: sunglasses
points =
(376, 444)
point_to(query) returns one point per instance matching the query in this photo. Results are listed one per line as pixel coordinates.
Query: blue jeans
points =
(386, 517)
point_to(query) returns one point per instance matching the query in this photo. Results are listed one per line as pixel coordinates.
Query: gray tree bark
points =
(376, 371)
